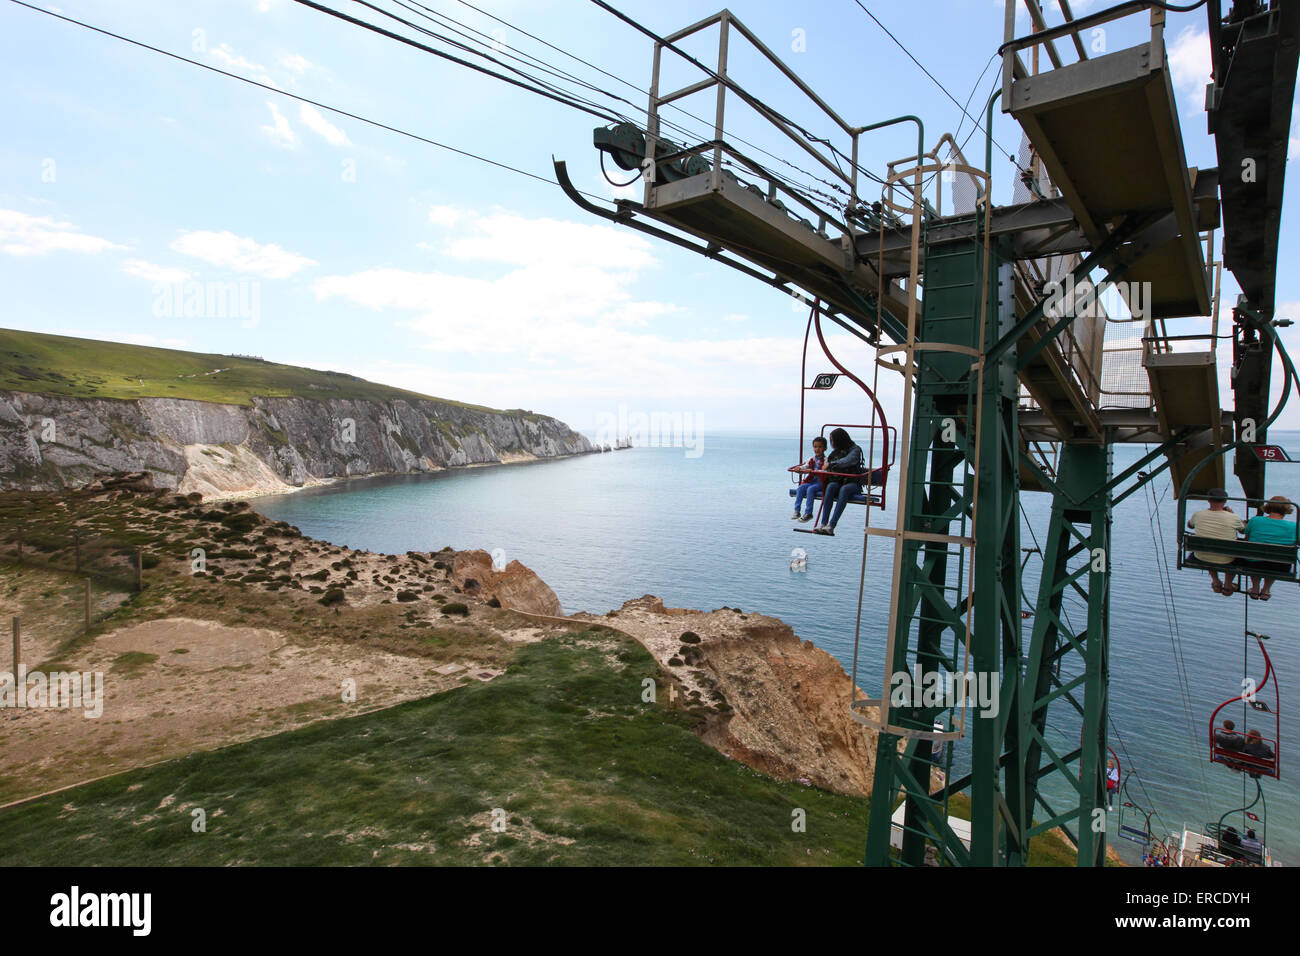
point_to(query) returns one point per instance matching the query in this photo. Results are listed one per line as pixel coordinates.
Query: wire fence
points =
(108, 561)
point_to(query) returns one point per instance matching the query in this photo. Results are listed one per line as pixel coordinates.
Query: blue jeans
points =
(840, 494)
(808, 490)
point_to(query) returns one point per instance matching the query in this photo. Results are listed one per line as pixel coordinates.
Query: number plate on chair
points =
(1270, 452)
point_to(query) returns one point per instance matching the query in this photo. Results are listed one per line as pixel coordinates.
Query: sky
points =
(129, 179)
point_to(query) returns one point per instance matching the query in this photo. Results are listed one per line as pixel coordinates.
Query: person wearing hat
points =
(1271, 527)
(1217, 521)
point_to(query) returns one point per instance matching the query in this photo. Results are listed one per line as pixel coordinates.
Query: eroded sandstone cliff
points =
(779, 704)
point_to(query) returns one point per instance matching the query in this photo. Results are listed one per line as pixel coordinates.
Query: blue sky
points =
(123, 172)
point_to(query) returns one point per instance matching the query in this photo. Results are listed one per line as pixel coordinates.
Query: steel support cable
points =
(577, 97)
(375, 28)
(736, 88)
(294, 96)
(534, 62)
(460, 28)
(641, 90)
(800, 189)
(942, 88)
(1132, 762)
(1175, 635)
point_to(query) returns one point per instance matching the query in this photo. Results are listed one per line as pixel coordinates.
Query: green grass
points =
(87, 368)
(561, 743)
(132, 663)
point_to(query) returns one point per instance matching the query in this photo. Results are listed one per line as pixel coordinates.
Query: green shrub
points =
(690, 637)
(407, 596)
(494, 602)
(455, 607)
(332, 596)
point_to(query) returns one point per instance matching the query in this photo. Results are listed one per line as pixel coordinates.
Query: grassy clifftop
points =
(88, 368)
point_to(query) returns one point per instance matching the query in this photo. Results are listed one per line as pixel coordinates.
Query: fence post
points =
(139, 569)
(87, 604)
(18, 644)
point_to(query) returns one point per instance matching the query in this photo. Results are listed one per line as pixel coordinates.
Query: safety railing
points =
(1077, 30)
(721, 156)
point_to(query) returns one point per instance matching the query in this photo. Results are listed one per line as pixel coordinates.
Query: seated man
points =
(1217, 521)
(1227, 738)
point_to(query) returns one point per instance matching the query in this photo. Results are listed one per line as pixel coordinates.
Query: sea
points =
(709, 526)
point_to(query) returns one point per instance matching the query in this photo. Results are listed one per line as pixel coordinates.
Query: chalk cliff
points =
(273, 444)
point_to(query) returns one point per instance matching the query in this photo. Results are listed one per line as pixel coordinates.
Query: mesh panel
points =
(965, 189)
(1124, 381)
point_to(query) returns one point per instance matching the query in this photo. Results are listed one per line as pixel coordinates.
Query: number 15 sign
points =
(1271, 453)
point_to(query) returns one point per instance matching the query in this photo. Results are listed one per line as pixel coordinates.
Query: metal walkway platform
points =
(1107, 130)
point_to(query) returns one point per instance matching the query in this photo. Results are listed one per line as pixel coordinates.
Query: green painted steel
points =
(964, 296)
(1062, 659)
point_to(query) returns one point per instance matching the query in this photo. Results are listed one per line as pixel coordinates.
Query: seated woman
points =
(846, 459)
(1271, 527)
(1262, 753)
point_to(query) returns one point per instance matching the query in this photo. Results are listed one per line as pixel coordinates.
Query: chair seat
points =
(1277, 561)
(858, 499)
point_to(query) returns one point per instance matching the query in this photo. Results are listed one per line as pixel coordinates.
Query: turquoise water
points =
(714, 530)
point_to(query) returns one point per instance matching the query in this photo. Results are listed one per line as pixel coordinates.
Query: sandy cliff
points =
(779, 704)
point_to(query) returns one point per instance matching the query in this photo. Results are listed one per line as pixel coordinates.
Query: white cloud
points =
(560, 290)
(296, 63)
(553, 315)
(736, 317)
(446, 215)
(24, 235)
(515, 240)
(318, 124)
(280, 132)
(155, 273)
(228, 58)
(1190, 64)
(241, 254)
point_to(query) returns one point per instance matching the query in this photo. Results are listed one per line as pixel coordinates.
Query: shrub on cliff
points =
(407, 596)
(332, 596)
(455, 607)
(690, 637)
(241, 521)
